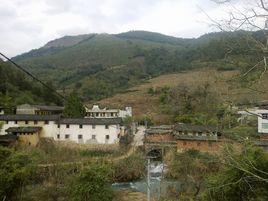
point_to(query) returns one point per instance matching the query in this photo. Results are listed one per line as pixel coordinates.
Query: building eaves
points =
(91, 121)
(29, 117)
(29, 129)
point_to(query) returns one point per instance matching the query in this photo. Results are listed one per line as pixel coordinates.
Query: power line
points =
(32, 76)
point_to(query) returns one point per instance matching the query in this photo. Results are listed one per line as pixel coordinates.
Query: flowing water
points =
(158, 184)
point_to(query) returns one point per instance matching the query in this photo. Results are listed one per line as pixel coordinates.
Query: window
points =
(58, 136)
(46, 122)
(67, 136)
(58, 125)
(67, 126)
(16, 122)
(265, 116)
(264, 125)
(26, 122)
(107, 137)
(200, 133)
(80, 136)
(80, 126)
(6, 122)
(106, 126)
(93, 137)
(35, 122)
(93, 126)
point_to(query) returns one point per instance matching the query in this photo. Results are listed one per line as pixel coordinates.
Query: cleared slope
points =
(145, 104)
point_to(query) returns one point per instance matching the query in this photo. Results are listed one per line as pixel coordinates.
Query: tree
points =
(243, 176)
(250, 16)
(74, 107)
(191, 168)
(92, 184)
(16, 169)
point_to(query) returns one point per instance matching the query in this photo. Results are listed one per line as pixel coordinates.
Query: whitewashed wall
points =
(88, 131)
(51, 130)
(262, 125)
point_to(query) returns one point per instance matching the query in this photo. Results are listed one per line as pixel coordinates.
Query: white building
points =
(97, 112)
(263, 121)
(82, 130)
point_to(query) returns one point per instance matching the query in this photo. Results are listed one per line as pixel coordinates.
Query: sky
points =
(30, 24)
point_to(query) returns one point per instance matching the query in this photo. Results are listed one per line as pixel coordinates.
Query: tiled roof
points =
(91, 121)
(7, 138)
(29, 129)
(193, 137)
(49, 107)
(195, 128)
(28, 117)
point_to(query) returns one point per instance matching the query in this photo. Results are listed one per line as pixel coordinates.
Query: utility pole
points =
(148, 180)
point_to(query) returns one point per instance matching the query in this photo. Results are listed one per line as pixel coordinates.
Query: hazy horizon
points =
(27, 25)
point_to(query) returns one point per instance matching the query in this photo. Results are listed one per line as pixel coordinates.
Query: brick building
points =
(186, 136)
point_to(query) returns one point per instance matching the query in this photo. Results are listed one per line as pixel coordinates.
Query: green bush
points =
(91, 184)
(16, 170)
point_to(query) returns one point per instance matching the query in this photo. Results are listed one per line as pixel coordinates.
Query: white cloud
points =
(28, 24)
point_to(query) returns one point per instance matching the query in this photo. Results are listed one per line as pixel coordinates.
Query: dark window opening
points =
(67, 126)
(107, 137)
(80, 136)
(67, 136)
(80, 126)
(106, 126)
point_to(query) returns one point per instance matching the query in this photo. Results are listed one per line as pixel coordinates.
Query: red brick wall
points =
(203, 146)
(159, 138)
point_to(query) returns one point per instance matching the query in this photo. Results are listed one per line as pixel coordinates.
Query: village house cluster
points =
(32, 122)
(204, 138)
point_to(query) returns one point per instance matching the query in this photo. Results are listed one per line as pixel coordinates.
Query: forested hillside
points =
(100, 65)
(17, 88)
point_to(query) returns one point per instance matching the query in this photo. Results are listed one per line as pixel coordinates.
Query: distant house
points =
(82, 130)
(39, 109)
(97, 112)
(156, 134)
(199, 137)
(186, 136)
(263, 124)
(26, 135)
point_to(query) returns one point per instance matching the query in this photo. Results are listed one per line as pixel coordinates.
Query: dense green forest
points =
(18, 88)
(100, 65)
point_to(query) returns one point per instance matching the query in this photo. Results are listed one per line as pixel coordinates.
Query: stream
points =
(159, 185)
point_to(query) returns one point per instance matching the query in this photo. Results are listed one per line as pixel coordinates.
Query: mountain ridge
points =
(89, 63)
